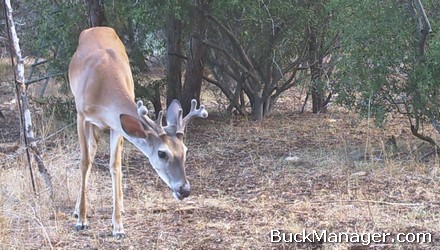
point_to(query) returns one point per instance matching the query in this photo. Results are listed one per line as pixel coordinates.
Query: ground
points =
(292, 172)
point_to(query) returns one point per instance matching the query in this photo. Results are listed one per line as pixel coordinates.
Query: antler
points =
(156, 125)
(194, 112)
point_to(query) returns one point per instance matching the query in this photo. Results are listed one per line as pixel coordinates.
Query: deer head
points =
(168, 154)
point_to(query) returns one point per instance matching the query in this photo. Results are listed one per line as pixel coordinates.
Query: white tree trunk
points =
(22, 97)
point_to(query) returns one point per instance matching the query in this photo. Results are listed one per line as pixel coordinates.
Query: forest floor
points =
(292, 172)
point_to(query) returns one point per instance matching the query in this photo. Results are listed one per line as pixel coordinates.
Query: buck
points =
(101, 81)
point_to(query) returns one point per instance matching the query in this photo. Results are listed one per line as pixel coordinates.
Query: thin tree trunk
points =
(236, 99)
(156, 100)
(95, 13)
(316, 70)
(268, 106)
(422, 27)
(174, 63)
(257, 111)
(197, 52)
(22, 97)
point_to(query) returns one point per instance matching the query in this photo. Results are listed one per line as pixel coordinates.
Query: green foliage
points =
(381, 67)
(143, 21)
(376, 67)
(377, 58)
(425, 78)
(53, 30)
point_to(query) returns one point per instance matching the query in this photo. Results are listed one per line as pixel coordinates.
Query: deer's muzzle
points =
(182, 192)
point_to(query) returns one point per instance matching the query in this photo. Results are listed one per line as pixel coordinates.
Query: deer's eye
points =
(162, 154)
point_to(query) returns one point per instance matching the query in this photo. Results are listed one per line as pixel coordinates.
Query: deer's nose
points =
(184, 191)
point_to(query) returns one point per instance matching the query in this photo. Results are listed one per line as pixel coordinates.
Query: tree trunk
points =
(316, 70)
(257, 111)
(422, 27)
(317, 100)
(197, 52)
(261, 106)
(268, 105)
(156, 101)
(174, 63)
(23, 102)
(95, 13)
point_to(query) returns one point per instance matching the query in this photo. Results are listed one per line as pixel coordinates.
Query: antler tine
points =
(194, 112)
(156, 125)
(158, 122)
(142, 110)
(139, 104)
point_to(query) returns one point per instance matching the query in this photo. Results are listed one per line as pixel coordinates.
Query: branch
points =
(224, 89)
(288, 83)
(228, 93)
(397, 105)
(327, 100)
(426, 28)
(37, 63)
(414, 131)
(234, 40)
(232, 58)
(423, 27)
(178, 55)
(43, 78)
(233, 72)
(304, 104)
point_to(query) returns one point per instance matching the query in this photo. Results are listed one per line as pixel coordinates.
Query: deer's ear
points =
(132, 126)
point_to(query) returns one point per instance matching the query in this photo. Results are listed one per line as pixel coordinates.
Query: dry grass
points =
(243, 187)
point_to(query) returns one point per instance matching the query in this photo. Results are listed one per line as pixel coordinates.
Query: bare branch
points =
(235, 42)
(43, 78)
(423, 27)
(224, 89)
(232, 58)
(415, 132)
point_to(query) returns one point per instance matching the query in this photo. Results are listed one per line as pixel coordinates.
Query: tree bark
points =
(257, 111)
(422, 27)
(261, 106)
(174, 62)
(23, 103)
(197, 51)
(316, 70)
(95, 13)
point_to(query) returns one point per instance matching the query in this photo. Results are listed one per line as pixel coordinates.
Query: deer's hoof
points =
(81, 226)
(119, 236)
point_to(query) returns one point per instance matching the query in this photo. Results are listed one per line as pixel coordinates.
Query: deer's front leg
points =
(87, 141)
(116, 143)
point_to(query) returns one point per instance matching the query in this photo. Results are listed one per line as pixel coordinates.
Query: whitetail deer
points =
(101, 81)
